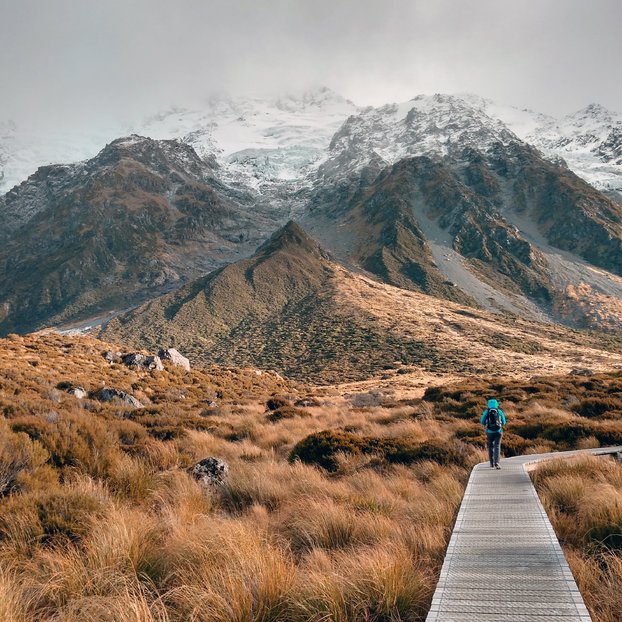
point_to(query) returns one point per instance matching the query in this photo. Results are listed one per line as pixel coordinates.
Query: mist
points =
(75, 63)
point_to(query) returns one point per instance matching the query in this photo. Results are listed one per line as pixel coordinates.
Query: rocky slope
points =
(493, 222)
(293, 309)
(140, 217)
(437, 195)
(588, 140)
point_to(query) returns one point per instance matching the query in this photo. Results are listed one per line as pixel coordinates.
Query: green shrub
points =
(322, 449)
(514, 445)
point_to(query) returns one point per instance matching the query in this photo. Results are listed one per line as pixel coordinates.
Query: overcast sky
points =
(88, 61)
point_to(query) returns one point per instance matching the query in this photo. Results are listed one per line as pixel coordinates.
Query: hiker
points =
(494, 420)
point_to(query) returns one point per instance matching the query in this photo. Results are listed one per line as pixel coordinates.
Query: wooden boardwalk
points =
(504, 562)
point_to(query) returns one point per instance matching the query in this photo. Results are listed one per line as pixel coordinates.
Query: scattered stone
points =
(112, 357)
(108, 394)
(367, 400)
(210, 471)
(78, 392)
(307, 402)
(72, 389)
(174, 357)
(581, 372)
(154, 362)
(142, 361)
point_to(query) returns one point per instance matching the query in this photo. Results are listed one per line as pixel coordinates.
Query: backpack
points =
(493, 420)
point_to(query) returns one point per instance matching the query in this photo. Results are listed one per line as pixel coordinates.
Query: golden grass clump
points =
(583, 498)
(101, 519)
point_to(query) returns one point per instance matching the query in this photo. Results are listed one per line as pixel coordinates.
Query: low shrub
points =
(514, 445)
(600, 406)
(322, 448)
(403, 452)
(276, 402)
(286, 412)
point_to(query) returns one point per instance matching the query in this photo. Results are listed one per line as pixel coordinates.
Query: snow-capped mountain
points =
(279, 142)
(589, 140)
(258, 141)
(23, 150)
(441, 194)
(436, 126)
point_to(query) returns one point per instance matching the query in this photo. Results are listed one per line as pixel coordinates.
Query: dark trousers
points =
(494, 446)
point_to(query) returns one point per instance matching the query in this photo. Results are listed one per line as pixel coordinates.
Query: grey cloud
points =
(86, 61)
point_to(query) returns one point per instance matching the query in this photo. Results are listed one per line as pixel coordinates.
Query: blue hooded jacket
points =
(493, 404)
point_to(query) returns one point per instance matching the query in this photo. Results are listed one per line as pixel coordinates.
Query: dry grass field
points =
(338, 504)
(583, 498)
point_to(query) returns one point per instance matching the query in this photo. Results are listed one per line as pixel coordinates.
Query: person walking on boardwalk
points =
(494, 420)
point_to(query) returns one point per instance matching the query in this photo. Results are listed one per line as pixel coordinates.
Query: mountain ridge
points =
(434, 195)
(292, 309)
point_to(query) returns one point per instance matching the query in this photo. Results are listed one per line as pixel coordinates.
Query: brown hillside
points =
(291, 309)
(139, 219)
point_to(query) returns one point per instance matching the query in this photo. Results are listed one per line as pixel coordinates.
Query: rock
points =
(174, 357)
(307, 402)
(108, 394)
(72, 389)
(210, 471)
(581, 372)
(154, 362)
(78, 392)
(112, 357)
(142, 361)
(133, 359)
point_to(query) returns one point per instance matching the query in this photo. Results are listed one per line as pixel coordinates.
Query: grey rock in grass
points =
(142, 361)
(210, 471)
(112, 357)
(108, 394)
(172, 355)
(79, 392)
(582, 372)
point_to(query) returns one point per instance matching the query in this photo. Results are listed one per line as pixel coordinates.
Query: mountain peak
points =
(291, 238)
(319, 97)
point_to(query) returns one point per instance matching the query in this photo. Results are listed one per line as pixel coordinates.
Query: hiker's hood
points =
(493, 404)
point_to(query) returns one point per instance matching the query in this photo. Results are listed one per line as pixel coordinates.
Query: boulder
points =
(142, 361)
(72, 389)
(108, 394)
(177, 359)
(78, 392)
(112, 357)
(210, 471)
(133, 359)
(154, 362)
(582, 372)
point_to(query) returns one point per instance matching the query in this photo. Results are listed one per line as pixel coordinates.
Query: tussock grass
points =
(100, 518)
(583, 498)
